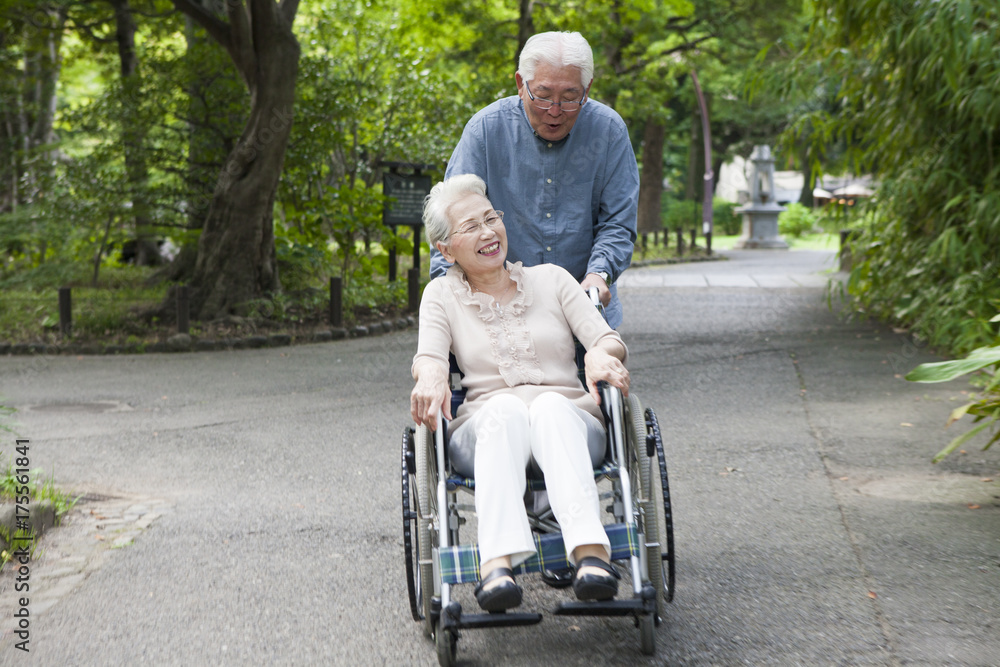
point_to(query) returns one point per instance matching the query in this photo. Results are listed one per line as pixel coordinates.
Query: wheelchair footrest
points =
(633, 607)
(502, 619)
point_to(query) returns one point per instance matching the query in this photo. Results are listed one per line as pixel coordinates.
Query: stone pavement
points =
(811, 527)
(768, 269)
(81, 544)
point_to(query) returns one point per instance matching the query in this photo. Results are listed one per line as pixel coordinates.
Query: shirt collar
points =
(524, 114)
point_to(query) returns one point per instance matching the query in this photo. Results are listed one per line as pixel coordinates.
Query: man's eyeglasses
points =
(544, 105)
(492, 221)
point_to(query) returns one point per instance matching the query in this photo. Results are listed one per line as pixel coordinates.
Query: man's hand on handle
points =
(594, 280)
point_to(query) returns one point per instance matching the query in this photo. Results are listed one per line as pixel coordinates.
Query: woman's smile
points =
(491, 249)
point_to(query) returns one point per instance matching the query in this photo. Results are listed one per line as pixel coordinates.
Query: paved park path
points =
(242, 508)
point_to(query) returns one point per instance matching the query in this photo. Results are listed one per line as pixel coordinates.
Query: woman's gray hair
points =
(440, 199)
(559, 49)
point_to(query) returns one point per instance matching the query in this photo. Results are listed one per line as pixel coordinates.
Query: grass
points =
(39, 489)
(116, 311)
(111, 312)
(28, 315)
(818, 241)
(29, 310)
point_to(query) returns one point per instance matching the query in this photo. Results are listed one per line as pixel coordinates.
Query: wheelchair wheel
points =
(410, 521)
(447, 647)
(639, 471)
(647, 634)
(660, 497)
(426, 485)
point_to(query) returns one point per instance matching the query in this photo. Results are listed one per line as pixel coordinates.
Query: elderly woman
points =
(511, 330)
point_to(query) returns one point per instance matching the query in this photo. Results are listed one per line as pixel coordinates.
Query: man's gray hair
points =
(441, 198)
(559, 49)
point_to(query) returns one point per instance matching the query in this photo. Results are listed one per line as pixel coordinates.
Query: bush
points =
(985, 406)
(680, 214)
(796, 220)
(685, 214)
(725, 220)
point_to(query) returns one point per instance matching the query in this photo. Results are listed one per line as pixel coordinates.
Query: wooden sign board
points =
(408, 191)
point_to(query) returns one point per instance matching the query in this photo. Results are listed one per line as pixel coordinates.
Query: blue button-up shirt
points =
(571, 202)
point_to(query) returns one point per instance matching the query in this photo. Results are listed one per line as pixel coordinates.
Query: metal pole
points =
(65, 311)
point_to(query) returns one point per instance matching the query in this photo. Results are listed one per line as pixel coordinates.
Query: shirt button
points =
(548, 248)
(548, 180)
(550, 145)
(548, 215)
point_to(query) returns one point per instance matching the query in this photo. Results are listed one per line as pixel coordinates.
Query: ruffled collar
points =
(488, 311)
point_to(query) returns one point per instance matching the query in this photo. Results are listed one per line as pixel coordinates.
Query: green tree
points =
(30, 38)
(646, 53)
(369, 95)
(236, 255)
(918, 93)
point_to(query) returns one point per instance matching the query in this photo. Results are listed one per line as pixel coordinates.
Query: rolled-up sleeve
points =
(615, 227)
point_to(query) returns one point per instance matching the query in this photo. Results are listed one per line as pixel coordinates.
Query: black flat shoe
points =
(595, 586)
(561, 578)
(501, 597)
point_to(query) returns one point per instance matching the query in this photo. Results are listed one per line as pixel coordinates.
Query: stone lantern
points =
(760, 216)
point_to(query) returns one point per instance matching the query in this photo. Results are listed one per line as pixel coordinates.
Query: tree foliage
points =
(123, 118)
(366, 97)
(918, 106)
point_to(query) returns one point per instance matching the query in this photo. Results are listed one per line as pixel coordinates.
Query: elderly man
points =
(559, 165)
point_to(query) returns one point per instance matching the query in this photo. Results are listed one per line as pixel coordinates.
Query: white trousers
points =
(507, 434)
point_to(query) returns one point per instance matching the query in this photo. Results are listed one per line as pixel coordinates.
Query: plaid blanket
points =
(460, 564)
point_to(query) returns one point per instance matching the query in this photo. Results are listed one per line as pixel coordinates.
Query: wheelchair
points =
(638, 522)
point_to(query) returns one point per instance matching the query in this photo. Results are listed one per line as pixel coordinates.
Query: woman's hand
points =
(430, 393)
(599, 364)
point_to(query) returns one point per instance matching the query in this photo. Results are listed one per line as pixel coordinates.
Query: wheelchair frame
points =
(635, 464)
(642, 533)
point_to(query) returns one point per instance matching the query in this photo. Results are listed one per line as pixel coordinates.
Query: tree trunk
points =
(133, 135)
(42, 64)
(806, 196)
(236, 258)
(216, 109)
(525, 26)
(651, 179)
(695, 187)
(47, 67)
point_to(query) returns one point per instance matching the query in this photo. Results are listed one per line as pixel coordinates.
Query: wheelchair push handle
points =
(595, 299)
(595, 296)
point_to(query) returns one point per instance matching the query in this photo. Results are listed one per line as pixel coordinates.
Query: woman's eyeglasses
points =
(492, 221)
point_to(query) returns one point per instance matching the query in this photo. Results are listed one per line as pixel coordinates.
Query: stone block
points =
(255, 341)
(279, 340)
(179, 342)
